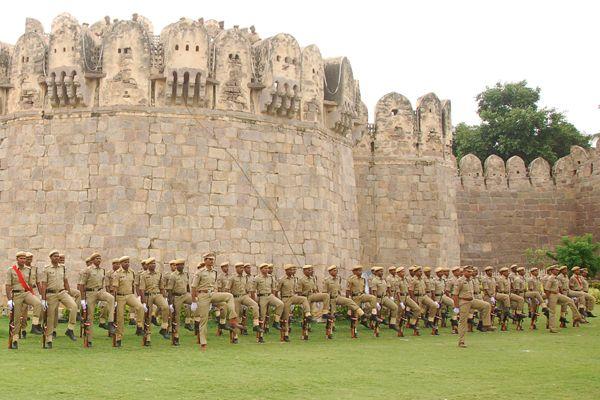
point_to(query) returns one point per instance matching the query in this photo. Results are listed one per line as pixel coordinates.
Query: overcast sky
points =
(453, 48)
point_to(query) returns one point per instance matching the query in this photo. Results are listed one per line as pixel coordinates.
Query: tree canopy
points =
(514, 124)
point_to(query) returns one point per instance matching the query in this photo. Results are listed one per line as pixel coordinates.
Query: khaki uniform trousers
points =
(178, 303)
(533, 299)
(264, 301)
(449, 303)
(426, 303)
(21, 303)
(465, 308)
(409, 303)
(54, 299)
(566, 301)
(580, 296)
(552, 303)
(366, 298)
(92, 298)
(298, 300)
(345, 302)
(204, 302)
(315, 298)
(517, 302)
(589, 301)
(159, 302)
(503, 300)
(391, 306)
(136, 305)
(247, 301)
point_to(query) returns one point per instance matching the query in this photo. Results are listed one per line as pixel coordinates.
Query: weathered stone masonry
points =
(117, 140)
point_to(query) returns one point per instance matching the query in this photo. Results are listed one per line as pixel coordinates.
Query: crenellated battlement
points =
(494, 174)
(191, 64)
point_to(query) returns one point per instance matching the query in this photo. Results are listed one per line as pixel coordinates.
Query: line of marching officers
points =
(401, 299)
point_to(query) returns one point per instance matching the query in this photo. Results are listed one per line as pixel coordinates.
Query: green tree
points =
(513, 124)
(578, 250)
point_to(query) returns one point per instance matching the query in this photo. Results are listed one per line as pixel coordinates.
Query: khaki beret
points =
(263, 265)
(88, 259)
(488, 268)
(53, 252)
(247, 265)
(288, 266)
(375, 269)
(208, 255)
(503, 269)
(179, 261)
(439, 269)
(150, 260)
(224, 264)
(550, 268)
(520, 269)
(534, 269)
(357, 267)
(513, 266)
(21, 254)
(94, 255)
(144, 262)
(584, 270)
(173, 262)
(239, 264)
(563, 267)
(427, 269)
(114, 261)
(271, 265)
(124, 258)
(575, 268)
(28, 254)
(392, 268)
(455, 269)
(307, 266)
(331, 267)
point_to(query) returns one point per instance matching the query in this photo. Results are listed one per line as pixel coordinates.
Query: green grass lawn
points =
(507, 365)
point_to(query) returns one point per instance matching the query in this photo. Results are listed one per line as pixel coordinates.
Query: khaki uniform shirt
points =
(124, 281)
(518, 285)
(488, 284)
(476, 282)
(418, 287)
(534, 284)
(152, 282)
(439, 286)
(264, 285)
(54, 277)
(584, 284)
(502, 285)
(392, 281)
(463, 289)
(552, 284)
(178, 283)
(92, 277)
(138, 275)
(429, 285)
(205, 280)
(287, 286)
(307, 285)
(450, 283)
(332, 286)
(379, 288)
(13, 280)
(356, 285)
(237, 285)
(576, 283)
(403, 285)
(249, 283)
(223, 281)
(563, 283)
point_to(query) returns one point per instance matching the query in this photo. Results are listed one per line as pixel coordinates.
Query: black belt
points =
(123, 294)
(358, 294)
(151, 293)
(54, 291)
(262, 295)
(179, 294)
(237, 297)
(286, 297)
(93, 290)
(18, 291)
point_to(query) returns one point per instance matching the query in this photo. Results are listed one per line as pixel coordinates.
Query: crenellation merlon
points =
(192, 63)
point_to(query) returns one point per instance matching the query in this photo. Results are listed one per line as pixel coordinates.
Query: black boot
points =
(394, 327)
(225, 327)
(36, 329)
(589, 314)
(48, 345)
(139, 331)
(364, 322)
(14, 345)
(165, 333)
(111, 328)
(54, 335)
(23, 334)
(257, 328)
(147, 344)
(277, 325)
(132, 322)
(69, 333)
(118, 343)
(78, 318)
(89, 344)
(176, 342)
(189, 327)
(155, 321)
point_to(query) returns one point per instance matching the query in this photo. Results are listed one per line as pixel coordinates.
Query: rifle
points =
(145, 341)
(436, 318)
(11, 326)
(377, 321)
(244, 319)
(174, 324)
(44, 322)
(84, 327)
(305, 328)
